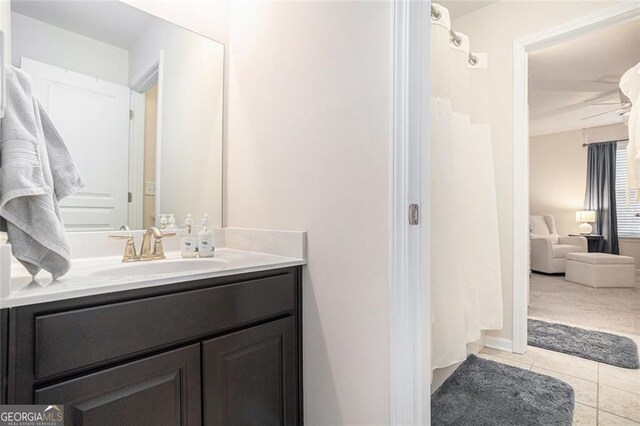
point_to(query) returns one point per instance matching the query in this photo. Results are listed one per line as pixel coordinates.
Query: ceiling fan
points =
(623, 107)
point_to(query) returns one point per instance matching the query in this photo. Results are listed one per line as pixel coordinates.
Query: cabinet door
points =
(250, 377)
(159, 390)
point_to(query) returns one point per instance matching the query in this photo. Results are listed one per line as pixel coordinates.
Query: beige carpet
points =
(553, 299)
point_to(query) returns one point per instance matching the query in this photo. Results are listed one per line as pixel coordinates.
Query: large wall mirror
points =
(138, 102)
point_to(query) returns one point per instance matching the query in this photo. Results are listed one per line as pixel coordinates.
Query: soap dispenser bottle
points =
(172, 222)
(188, 240)
(206, 247)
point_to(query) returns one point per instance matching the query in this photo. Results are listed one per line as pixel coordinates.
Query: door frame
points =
(521, 49)
(139, 87)
(136, 160)
(159, 100)
(153, 75)
(409, 294)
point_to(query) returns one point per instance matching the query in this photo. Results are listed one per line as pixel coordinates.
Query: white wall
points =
(65, 49)
(5, 27)
(493, 29)
(190, 141)
(613, 132)
(311, 82)
(309, 139)
(207, 17)
(557, 173)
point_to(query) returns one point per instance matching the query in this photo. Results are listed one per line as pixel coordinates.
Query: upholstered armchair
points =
(548, 249)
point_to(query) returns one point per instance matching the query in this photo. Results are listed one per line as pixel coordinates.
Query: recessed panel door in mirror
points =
(92, 116)
(158, 138)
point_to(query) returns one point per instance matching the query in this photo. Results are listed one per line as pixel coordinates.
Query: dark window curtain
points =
(600, 194)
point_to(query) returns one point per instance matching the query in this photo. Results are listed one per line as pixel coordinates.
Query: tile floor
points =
(605, 395)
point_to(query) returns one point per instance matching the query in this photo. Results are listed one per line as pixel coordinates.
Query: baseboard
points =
(499, 343)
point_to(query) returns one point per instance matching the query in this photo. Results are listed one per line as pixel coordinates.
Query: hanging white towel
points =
(36, 171)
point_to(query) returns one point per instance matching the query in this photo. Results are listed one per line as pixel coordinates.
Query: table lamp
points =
(584, 217)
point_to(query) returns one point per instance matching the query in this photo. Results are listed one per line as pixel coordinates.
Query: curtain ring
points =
(435, 13)
(455, 39)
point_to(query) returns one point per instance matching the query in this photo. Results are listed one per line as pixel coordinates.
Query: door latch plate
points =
(414, 214)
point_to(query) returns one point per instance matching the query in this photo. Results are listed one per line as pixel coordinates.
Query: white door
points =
(92, 116)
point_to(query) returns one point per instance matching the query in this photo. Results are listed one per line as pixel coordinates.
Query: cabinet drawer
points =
(75, 339)
(155, 391)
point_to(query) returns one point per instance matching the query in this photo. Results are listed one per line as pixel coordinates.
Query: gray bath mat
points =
(594, 345)
(482, 392)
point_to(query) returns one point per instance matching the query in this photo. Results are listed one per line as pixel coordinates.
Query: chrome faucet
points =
(147, 252)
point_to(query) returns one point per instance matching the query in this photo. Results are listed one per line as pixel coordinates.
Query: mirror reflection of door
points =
(139, 102)
(92, 116)
(150, 127)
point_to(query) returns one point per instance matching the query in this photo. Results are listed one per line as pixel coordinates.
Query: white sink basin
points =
(160, 267)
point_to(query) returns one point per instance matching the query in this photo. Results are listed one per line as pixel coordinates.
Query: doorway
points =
(149, 167)
(521, 172)
(144, 150)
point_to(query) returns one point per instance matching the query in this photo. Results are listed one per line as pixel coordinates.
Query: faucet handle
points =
(121, 237)
(158, 249)
(130, 254)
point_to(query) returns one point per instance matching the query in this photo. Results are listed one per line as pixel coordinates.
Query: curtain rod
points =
(595, 143)
(455, 38)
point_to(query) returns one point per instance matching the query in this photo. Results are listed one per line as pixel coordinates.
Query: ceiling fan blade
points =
(624, 99)
(602, 96)
(609, 103)
(599, 114)
(573, 85)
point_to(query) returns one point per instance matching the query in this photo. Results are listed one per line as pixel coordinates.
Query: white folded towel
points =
(36, 171)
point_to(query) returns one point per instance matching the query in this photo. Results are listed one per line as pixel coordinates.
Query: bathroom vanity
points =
(214, 351)
(139, 104)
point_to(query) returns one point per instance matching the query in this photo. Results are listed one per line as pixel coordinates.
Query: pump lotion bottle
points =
(206, 247)
(188, 239)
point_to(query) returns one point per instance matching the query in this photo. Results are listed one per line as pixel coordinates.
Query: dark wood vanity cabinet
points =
(257, 364)
(222, 351)
(159, 390)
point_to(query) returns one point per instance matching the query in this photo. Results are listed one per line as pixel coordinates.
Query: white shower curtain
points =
(465, 259)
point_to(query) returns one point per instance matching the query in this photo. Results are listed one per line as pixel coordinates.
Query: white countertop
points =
(83, 279)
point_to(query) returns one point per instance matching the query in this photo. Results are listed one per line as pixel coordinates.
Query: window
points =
(628, 223)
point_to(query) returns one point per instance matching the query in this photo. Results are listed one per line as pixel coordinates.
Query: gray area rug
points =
(608, 348)
(482, 392)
